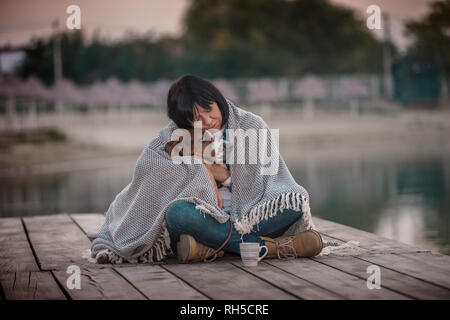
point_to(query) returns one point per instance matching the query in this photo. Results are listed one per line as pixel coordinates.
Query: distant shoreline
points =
(118, 143)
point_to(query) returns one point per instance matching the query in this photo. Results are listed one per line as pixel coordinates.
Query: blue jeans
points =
(183, 218)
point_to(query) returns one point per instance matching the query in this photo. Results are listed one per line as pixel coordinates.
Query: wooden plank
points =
(30, 286)
(300, 288)
(15, 252)
(417, 269)
(390, 279)
(89, 222)
(157, 283)
(57, 241)
(433, 259)
(367, 240)
(99, 284)
(222, 280)
(386, 250)
(341, 283)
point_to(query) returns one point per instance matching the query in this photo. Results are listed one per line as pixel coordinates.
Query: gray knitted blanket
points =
(134, 229)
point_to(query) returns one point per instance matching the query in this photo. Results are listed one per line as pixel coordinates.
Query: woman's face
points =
(210, 119)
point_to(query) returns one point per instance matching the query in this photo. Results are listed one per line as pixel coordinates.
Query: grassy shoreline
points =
(328, 135)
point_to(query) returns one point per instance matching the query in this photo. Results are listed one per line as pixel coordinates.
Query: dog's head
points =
(214, 139)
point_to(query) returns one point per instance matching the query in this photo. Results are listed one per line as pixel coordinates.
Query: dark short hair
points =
(189, 90)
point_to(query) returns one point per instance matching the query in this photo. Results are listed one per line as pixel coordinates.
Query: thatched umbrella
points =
(95, 94)
(9, 87)
(265, 93)
(350, 87)
(109, 94)
(116, 92)
(33, 90)
(264, 90)
(65, 91)
(137, 93)
(160, 89)
(226, 89)
(309, 89)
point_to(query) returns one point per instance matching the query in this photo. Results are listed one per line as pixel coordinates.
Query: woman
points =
(174, 207)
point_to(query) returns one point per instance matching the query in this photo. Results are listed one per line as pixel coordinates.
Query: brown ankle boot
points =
(305, 244)
(189, 250)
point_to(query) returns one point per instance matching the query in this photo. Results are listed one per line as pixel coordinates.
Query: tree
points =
(280, 37)
(432, 37)
(134, 57)
(223, 38)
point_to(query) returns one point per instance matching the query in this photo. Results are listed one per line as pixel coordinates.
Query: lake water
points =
(399, 193)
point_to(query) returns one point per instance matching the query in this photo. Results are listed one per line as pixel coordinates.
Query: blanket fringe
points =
(159, 250)
(202, 208)
(264, 211)
(289, 200)
(330, 247)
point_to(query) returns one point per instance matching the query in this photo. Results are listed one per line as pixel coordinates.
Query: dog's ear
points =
(171, 144)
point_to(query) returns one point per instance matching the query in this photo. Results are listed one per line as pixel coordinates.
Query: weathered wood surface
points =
(301, 288)
(223, 280)
(100, 284)
(157, 283)
(367, 240)
(417, 269)
(30, 286)
(15, 252)
(57, 241)
(90, 222)
(347, 285)
(35, 253)
(390, 279)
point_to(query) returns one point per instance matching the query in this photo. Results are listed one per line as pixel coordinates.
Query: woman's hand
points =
(213, 181)
(219, 199)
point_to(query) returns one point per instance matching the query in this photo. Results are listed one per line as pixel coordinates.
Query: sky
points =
(21, 19)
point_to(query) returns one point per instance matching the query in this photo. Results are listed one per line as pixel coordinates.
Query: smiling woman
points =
(210, 118)
(174, 208)
(191, 99)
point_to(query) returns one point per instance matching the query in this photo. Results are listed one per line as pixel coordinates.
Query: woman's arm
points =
(213, 181)
(220, 173)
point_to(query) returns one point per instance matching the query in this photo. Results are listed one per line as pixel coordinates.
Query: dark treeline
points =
(431, 37)
(223, 38)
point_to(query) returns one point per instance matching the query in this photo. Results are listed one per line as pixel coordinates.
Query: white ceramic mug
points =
(250, 253)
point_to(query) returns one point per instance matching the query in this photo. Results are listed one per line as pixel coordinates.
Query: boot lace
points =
(286, 249)
(210, 255)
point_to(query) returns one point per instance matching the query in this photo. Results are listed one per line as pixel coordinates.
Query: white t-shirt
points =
(225, 189)
(226, 193)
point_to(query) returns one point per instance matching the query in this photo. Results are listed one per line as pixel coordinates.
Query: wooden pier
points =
(35, 253)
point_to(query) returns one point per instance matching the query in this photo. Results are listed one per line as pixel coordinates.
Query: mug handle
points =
(267, 250)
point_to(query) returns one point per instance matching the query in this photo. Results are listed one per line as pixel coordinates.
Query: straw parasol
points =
(263, 90)
(310, 87)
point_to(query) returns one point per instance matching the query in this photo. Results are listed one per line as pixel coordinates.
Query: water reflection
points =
(75, 191)
(406, 198)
